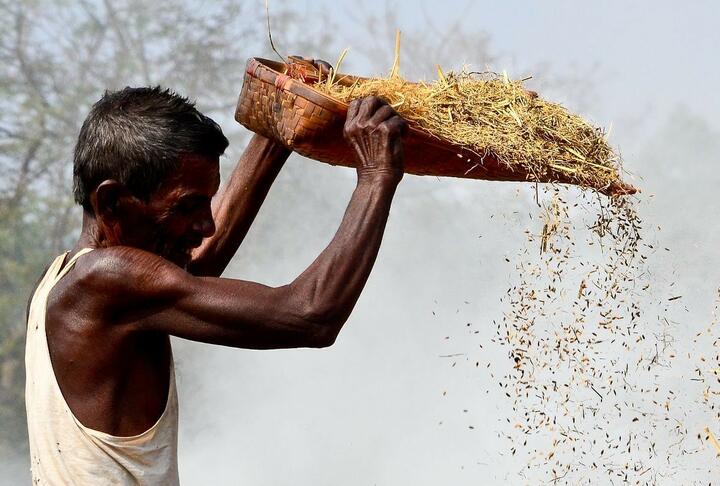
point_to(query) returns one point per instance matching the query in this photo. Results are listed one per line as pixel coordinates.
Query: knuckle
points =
(350, 129)
(372, 100)
(362, 126)
(394, 126)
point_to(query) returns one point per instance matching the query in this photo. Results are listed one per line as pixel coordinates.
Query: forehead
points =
(195, 174)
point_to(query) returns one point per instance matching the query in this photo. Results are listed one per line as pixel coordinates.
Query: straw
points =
(713, 440)
(489, 114)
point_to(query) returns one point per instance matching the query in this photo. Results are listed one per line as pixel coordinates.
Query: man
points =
(101, 400)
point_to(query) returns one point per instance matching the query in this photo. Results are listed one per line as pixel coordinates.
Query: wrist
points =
(270, 147)
(379, 177)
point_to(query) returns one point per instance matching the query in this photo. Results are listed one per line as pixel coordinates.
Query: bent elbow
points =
(322, 318)
(324, 338)
(325, 327)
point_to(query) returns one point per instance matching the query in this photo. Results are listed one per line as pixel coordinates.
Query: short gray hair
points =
(136, 136)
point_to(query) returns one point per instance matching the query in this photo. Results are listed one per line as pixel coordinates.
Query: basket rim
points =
(274, 73)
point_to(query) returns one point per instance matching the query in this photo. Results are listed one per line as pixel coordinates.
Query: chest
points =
(113, 380)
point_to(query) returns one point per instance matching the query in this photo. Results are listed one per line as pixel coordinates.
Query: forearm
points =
(309, 312)
(330, 287)
(235, 208)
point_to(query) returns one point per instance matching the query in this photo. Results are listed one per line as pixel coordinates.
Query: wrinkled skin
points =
(173, 222)
(155, 268)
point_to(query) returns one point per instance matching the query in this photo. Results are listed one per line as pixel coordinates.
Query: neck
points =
(89, 234)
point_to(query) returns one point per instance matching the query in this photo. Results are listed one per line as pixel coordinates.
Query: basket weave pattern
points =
(291, 117)
(272, 110)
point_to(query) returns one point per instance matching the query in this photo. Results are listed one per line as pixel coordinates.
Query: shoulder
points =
(127, 273)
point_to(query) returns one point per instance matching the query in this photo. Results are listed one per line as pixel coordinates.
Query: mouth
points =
(180, 252)
(183, 252)
(192, 243)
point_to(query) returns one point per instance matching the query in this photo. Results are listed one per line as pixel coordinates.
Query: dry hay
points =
(491, 114)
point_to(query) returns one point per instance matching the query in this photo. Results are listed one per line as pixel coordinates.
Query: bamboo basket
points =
(278, 102)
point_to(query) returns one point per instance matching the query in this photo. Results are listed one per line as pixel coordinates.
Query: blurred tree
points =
(58, 57)
(424, 44)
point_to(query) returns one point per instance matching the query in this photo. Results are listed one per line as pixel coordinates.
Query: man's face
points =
(178, 215)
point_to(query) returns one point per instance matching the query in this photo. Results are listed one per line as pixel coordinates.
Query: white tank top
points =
(65, 452)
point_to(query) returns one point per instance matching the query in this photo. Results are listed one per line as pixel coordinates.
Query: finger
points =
(396, 126)
(398, 155)
(323, 66)
(301, 60)
(382, 114)
(368, 106)
(405, 127)
(353, 109)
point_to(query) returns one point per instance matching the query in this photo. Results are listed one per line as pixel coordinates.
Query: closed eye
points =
(192, 203)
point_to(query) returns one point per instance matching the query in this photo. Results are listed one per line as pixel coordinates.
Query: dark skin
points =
(156, 265)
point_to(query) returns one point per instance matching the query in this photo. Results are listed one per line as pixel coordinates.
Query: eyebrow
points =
(193, 196)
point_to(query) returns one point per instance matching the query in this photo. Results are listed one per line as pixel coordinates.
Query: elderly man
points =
(101, 398)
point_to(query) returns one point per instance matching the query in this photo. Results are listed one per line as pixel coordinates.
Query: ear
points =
(108, 200)
(115, 208)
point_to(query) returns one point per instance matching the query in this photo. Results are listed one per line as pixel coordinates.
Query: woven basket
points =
(277, 103)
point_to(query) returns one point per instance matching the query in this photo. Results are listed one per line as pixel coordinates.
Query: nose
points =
(205, 226)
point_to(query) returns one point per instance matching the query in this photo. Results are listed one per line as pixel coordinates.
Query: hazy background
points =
(382, 406)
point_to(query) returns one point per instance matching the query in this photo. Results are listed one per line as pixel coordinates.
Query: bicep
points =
(233, 313)
(154, 295)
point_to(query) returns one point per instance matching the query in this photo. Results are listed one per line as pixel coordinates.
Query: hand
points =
(374, 130)
(323, 67)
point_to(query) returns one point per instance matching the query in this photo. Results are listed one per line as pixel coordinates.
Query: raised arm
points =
(311, 310)
(235, 208)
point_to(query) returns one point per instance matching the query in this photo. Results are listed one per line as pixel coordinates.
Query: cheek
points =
(173, 226)
(141, 225)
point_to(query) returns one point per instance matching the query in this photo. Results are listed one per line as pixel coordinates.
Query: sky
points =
(645, 57)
